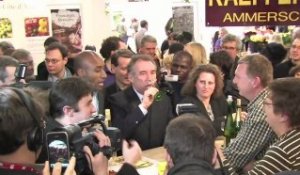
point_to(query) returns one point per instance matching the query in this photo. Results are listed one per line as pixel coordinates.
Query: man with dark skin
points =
(181, 66)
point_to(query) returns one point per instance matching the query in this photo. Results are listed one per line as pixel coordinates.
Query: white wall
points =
(97, 24)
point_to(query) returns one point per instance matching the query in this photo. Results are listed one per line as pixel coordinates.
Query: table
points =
(158, 154)
(154, 156)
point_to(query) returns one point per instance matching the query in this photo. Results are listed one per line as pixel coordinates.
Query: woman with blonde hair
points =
(197, 51)
(204, 88)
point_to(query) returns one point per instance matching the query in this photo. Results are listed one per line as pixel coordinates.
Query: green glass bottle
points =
(238, 121)
(229, 130)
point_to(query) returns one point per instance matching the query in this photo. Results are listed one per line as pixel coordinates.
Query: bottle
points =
(238, 121)
(107, 117)
(229, 130)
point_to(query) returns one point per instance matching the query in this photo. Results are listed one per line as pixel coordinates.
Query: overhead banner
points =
(252, 12)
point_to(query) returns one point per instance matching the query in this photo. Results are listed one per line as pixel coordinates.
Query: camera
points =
(164, 85)
(183, 108)
(70, 140)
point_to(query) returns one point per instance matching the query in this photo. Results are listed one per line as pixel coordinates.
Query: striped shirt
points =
(282, 156)
(253, 139)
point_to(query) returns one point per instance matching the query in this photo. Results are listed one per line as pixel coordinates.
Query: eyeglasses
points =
(52, 61)
(228, 48)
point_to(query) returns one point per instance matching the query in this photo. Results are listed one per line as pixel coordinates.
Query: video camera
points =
(70, 140)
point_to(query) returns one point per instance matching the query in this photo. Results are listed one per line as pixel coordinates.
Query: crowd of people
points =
(142, 89)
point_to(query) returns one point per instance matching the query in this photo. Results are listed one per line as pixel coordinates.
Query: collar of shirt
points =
(54, 78)
(258, 100)
(138, 94)
(95, 102)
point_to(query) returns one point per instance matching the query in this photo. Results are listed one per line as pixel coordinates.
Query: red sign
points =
(252, 12)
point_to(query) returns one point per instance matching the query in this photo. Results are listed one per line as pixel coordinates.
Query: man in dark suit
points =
(138, 111)
(119, 62)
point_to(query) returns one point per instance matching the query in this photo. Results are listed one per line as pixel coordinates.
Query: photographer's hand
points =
(58, 168)
(103, 140)
(98, 162)
(132, 153)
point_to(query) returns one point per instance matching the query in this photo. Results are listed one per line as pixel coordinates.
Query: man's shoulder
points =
(123, 97)
(111, 89)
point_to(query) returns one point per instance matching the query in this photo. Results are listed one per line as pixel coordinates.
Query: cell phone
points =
(20, 72)
(58, 148)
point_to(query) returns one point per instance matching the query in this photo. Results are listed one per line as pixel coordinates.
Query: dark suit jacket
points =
(283, 69)
(219, 109)
(110, 90)
(127, 169)
(148, 130)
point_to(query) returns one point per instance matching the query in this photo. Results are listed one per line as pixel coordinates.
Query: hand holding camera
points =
(91, 149)
(98, 162)
(57, 169)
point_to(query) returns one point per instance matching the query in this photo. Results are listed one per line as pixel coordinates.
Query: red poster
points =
(38, 26)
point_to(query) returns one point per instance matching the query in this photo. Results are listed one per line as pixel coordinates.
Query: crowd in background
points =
(142, 88)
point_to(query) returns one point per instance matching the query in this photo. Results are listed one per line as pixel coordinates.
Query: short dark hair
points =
(189, 88)
(49, 41)
(285, 97)
(143, 23)
(175, 47)
(6, 61)
(67, 92)
(120, 53)
(190, 136)
(275, 52)
(183, 54)
(90, 47)
(223, 61)
(62, 48)
(108, 45)
(16, 120)
(184, 37)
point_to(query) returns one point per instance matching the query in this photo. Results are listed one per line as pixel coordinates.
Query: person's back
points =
(140, 34)
(189, 144)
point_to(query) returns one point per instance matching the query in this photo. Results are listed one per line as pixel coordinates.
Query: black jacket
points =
(192, 167)
(148, 130)
(218, 106)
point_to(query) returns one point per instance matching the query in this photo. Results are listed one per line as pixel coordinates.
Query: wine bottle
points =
(229, 130)
(107, 117)
(238, 121)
